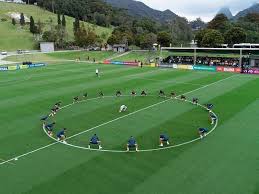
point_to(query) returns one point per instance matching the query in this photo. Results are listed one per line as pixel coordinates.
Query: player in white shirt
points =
(97, 72)
(123, 108)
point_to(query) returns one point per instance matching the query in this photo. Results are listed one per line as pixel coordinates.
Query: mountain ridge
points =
(252, 9)
(140, 9)
(226, 11)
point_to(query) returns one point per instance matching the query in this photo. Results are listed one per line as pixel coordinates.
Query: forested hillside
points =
(128, 28)
(221, 30)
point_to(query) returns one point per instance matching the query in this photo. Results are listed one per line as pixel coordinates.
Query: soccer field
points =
(224, 162)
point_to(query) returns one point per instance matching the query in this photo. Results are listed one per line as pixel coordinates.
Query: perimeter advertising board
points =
(229, 69)
(204, 68)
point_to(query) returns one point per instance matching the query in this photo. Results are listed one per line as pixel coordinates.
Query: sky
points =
(205, 9)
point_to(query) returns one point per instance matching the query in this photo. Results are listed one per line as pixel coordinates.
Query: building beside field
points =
(120, 48)
(47, 47)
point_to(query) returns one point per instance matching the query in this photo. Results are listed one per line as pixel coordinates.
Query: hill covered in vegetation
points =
(19, 37)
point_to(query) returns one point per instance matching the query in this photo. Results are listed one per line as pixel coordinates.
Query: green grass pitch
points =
(224, 162)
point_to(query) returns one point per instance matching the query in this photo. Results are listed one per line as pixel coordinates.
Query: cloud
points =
(206, 9)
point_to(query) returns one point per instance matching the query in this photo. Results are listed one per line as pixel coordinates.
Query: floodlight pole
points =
(241, 56)
(160, 55)
(195, 57)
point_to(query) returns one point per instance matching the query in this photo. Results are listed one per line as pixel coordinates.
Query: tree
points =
(100, 19)
(212, 38)
(199, 36)
(64, 21)
(22, 19)
(76, 25)
(56, 34)
(32, 26)
(59, 19)
(251, 17)
(198, 24)
(235, 35)
(250, 23)
(252, 37)
(112, 39)
(61, 35)
(91, 37)
(148, 40)
(49, 36)
(220, 22)
(39, 28)
(13, 21)
(122, 35)
(164, 38)
(85, 36)
(181, 31)
(147, 25)
(30, 1)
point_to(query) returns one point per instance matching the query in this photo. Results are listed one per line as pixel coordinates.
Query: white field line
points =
(49, 145)
(186, 83)
(8, 162)
(28, 153)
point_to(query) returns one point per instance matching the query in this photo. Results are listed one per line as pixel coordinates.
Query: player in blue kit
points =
(163, 139)
(49, 128)
(209, 107)
(213, 118)
(62, 135)
(44, 119)
(95, 141)
(203, 132)
(132, 143)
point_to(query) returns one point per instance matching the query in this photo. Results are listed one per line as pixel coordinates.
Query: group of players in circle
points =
(132, 143)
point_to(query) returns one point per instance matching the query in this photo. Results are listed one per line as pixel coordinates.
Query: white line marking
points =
(8, 162)
(28, 153)
(186, 83)
(210, 84)
(49, 145)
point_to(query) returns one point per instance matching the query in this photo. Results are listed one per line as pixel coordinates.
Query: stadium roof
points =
(225, 49)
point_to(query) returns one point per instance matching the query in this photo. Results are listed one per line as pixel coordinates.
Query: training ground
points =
(224, 162)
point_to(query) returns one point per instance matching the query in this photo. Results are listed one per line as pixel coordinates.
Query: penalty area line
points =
(49, 145)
